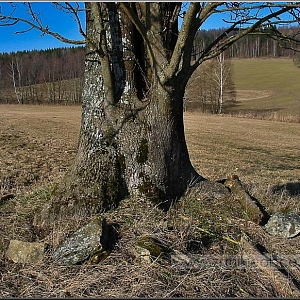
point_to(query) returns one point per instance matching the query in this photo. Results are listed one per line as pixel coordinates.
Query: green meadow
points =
(266, 84)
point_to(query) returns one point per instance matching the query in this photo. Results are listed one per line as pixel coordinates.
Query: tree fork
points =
(126, 146)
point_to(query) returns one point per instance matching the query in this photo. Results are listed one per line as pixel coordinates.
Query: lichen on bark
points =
(132, 134)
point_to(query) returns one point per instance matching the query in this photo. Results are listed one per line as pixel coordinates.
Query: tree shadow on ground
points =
(291, 188)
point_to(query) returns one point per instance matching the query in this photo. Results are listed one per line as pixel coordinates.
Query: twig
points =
(180, 283)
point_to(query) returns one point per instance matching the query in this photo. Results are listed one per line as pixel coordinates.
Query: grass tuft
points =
(203, 230)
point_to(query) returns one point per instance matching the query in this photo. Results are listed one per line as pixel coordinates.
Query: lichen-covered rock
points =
(142, 255)
(290, 188)
(286, 225)
(25, 252)
(155, 246)
(148, 249)
(81, 244)
(99, 256)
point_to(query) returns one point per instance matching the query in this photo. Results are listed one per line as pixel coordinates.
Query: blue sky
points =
(58, 22)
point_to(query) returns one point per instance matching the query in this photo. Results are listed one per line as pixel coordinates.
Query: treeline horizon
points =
(55, 76)
(251, 45)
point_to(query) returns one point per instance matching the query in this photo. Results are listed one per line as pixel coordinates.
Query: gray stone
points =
(155, 246)
(290, 188)
(286, 225)
(81, 244)
(25, 252)
(148, 247)
(211, 190)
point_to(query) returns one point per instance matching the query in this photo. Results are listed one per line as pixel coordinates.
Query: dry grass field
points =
(262, 153)
(38, 144)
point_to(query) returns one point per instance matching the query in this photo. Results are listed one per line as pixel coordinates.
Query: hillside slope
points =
(266, 84)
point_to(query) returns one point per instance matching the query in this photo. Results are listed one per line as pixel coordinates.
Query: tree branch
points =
(36, 24)
(77, 19)
(189, 20)
(217, 47)
(134, 19)
(205, 12)
(139, 26)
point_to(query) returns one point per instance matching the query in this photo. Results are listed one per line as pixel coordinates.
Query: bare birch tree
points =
(15, 75)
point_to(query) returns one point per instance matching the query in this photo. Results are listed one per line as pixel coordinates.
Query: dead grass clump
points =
(206, 215)
(275, 197)
(17, 215)
(203, 229)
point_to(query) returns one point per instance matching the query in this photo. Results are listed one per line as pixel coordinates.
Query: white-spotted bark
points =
(132, 138)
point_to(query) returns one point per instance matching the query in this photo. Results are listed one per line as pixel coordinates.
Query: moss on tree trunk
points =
(132, 135)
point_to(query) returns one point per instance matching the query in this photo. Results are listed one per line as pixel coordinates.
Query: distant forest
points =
(55, 76)
(52, 76)
(251, 46)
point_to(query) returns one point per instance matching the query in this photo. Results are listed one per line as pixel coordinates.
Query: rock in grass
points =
(81, 244)
(147, 249)
(290, 188)
(142, 255)
(25, 252)
(152, 247)
(285, 225)
(252, 208)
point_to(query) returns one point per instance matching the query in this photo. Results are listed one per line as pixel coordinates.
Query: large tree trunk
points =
(132, 138)
(153, 148)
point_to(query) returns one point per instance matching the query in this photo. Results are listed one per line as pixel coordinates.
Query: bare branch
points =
(208, 10)
(225, 40)
(196, 15)
(76, 16)
(151, 45)
(134, 19)
(188, 23)
(36, 23)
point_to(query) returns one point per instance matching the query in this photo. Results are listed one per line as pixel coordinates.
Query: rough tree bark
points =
(132, 138)
(137, 66)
